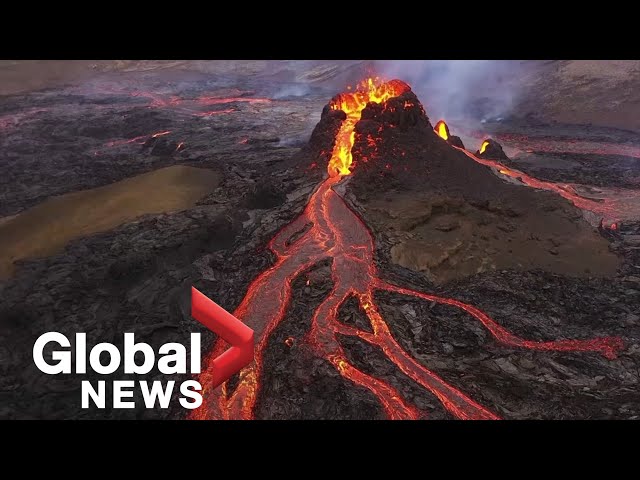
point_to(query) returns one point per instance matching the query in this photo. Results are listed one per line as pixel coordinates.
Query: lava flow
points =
(565, 190)
(328, 228)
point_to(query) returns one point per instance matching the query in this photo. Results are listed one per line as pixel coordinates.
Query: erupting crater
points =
(329, 228)
(352, 104)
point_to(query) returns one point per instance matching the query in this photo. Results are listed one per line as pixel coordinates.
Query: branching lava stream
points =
(336, 232)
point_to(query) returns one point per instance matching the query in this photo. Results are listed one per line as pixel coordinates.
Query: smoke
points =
(291, 91)
(471, 90)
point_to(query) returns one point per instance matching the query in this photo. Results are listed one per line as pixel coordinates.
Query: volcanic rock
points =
(456, 141)
(493, 150)
(265, 195)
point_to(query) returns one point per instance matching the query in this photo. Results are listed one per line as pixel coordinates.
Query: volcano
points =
(396, 203)
(450, 213)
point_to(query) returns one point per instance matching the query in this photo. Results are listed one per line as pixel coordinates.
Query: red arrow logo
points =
(230, 329)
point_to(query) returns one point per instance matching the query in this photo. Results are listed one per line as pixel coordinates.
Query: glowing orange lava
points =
(442, 130)
(336, 232)
(484, 146)
(352, 103)
(161, 134)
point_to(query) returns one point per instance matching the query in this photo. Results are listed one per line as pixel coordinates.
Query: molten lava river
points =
(328, 228)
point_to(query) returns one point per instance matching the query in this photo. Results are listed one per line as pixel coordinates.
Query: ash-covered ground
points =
(518, 264)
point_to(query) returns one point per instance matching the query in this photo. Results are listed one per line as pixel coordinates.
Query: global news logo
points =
(172, 358)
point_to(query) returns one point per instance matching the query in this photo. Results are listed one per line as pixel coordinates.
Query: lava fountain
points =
(442, 130)
(352, 104)
(328, 228)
